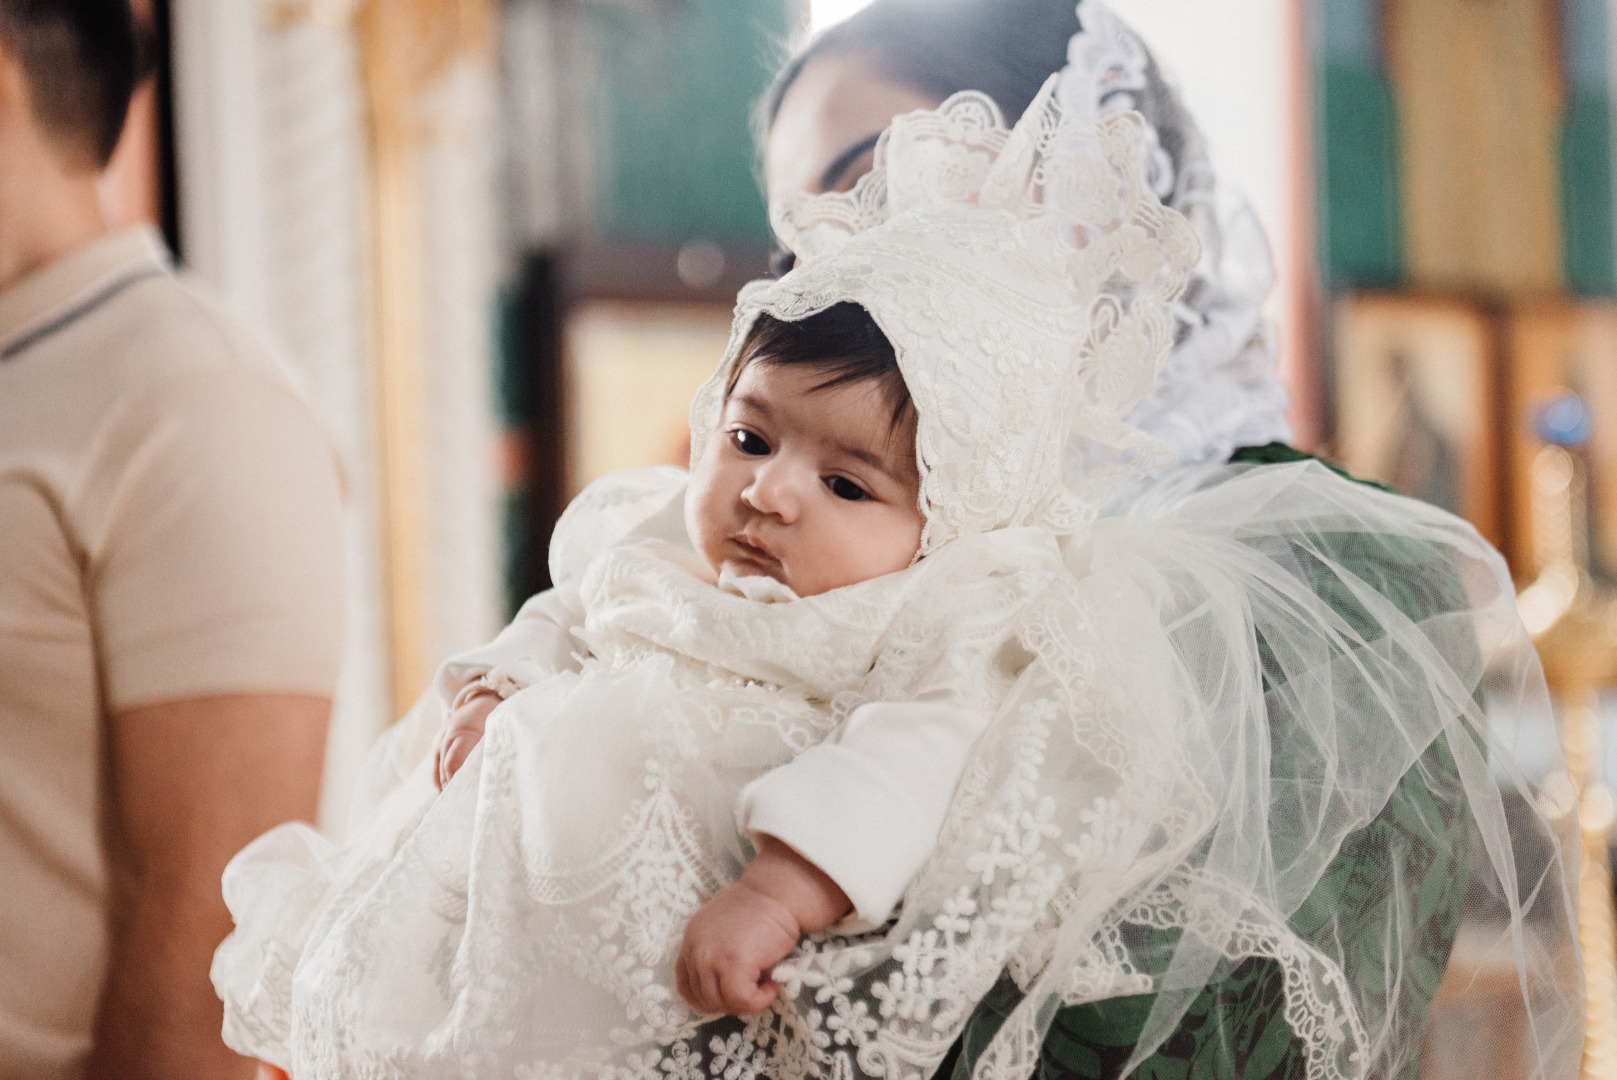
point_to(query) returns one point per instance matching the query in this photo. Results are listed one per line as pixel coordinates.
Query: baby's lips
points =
(756, 551)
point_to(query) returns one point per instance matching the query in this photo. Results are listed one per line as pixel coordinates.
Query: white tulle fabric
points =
(1197, 698)
(524, 922)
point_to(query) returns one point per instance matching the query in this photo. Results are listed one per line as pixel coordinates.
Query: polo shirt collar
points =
(76, 278)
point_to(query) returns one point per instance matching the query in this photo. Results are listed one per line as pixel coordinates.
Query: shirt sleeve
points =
(212, 511)
(866, 805)
(537, 643)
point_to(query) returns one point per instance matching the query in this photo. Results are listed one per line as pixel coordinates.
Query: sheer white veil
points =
(1218, 389)
(1261, 726)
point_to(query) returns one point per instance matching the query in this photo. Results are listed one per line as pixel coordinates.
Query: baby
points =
(813, 483)
(778, 778)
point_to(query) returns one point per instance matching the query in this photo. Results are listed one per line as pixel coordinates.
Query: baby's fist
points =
(730, 945)
(461, 734)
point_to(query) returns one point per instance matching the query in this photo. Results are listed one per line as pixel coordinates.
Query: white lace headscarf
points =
(1026, 280)
(1218, 389)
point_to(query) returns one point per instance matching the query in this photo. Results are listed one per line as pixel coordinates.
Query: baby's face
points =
(815, 488)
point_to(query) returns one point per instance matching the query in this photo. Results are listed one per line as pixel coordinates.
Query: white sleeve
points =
(537, 643)
(865, 806)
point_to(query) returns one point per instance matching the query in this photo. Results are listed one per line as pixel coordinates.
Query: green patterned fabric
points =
(1236, 1029)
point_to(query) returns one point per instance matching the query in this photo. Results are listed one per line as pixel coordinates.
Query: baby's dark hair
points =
(842, 342)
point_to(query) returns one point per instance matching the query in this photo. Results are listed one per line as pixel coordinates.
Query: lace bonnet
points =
(1026, 280)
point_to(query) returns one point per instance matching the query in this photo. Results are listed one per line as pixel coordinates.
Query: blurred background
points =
(498, 242)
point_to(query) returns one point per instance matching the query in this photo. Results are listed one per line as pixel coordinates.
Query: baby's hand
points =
(461, 734)
(736, 937)
(729, 947)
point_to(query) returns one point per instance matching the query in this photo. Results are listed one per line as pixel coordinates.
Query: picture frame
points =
(631, 370)
(1414, 400)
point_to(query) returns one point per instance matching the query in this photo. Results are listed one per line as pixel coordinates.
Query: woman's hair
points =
(842, 343)
(1004, 48)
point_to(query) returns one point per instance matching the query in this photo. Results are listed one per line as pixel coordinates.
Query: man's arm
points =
(189, 783)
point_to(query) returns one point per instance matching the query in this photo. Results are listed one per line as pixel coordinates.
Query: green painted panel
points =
(1348, 31)
(1584, 43)
(1586, 195)
(1360, 210)
(675, 86)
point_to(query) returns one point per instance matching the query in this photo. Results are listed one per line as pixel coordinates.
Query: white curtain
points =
(274, 199)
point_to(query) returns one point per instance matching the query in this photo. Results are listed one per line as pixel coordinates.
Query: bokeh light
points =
(823, 13)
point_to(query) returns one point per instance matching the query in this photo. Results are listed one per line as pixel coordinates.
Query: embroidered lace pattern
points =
(1114, 834)
(1218, 389)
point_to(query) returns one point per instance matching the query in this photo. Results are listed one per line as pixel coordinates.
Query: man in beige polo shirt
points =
(170, 591)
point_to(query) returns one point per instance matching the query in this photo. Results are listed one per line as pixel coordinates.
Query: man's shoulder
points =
(166, 333)
(139, 366)
(155, 383)
(163, 361)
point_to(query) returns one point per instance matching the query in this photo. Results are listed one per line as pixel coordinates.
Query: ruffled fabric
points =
(1204, 700)
(530, 914)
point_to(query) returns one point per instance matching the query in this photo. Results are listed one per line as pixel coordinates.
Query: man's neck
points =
(45, 213)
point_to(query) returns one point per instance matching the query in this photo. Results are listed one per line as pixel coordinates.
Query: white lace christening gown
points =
(526, 920)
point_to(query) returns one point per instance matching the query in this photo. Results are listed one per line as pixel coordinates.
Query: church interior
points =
(498, 243)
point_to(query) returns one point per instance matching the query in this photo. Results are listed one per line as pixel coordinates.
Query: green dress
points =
(1236, 1028)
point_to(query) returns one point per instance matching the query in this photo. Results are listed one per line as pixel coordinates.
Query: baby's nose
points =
(776, 489)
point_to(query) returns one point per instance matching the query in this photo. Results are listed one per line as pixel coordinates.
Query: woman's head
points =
(811, 478)
(828, 105)
(820, 122)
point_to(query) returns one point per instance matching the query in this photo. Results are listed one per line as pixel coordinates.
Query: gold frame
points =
(1555, 346)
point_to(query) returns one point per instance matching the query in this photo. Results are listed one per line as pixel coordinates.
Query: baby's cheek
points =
(901, 539)
(875, 550)
(700, 518)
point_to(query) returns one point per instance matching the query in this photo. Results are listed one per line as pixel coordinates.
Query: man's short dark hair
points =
(82, 60)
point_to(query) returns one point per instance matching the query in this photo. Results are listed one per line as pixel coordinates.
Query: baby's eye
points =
(843, 488)
(749, 443)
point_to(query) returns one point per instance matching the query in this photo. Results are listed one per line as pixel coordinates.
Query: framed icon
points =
(631, 371)
(1414, 401)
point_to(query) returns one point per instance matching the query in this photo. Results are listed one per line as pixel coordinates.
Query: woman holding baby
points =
(997, 695)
